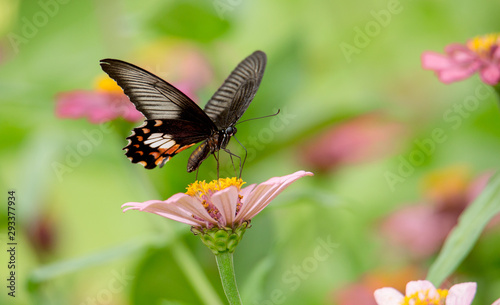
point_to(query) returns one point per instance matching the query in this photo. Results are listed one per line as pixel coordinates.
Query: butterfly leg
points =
(217, 159)
(246, 154)
(235, 155)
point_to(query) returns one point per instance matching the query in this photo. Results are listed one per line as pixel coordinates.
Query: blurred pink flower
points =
(423, 292)
(421, 229)
(361, 139)
(480, 54)
(106, 103)
(42, 234)
(221, 203)
(361, 292)
(355, 294)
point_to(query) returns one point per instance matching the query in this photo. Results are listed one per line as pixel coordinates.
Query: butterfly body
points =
(174, 122)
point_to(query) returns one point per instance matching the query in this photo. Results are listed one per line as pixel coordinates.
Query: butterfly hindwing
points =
(231, 100)
(157, 141)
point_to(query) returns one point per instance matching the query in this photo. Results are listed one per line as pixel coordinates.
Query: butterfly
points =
(174, 122)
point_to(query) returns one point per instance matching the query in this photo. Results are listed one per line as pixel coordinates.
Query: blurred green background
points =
(329, 63)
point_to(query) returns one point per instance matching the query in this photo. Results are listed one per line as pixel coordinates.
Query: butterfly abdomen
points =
(199, 154)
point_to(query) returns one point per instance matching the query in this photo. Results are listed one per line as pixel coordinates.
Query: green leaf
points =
(463, 237)
(192, 20)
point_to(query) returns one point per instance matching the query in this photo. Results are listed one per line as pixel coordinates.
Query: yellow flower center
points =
(104, 83)
(422, 298)
(483, 45)
(200, 188)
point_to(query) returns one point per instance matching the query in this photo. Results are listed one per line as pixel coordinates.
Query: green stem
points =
(226, 271)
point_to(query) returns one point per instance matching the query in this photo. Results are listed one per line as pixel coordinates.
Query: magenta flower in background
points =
(422, 228)
(480, 54)
(361, 139)
(183, 66)
(219, 204)
(361, 291)
(106, 103)
(423, 292)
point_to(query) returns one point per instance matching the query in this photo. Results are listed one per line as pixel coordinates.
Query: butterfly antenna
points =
(262, 117)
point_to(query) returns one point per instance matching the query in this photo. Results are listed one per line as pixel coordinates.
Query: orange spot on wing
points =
(172, 149)
(183, 147)
(158, 123)
(159, 160)
(139, 138)
(143, 163)
(155, 154)
(136, 145)
(145, 130)
(140, 152)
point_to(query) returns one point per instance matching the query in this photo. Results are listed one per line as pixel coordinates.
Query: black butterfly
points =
(174, 122)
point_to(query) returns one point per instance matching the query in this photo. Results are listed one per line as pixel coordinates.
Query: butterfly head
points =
(231, 131)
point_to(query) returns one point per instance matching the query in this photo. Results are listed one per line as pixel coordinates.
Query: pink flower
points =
(221, 203)
(361, 139)
(355, 294)
(422, 228)
(106, 103)
(423, 292)
(480, 54)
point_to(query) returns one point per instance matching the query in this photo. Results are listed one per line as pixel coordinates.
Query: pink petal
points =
(421, 287)
(251, 201)
(388, 296)
(264, 193)
(167, 212)
(225, 201)
(180, 207)
(96, 106)
(490, 74)
(131, 114)
(461, 294)
(455, 74)
(456, 48)
(460, 54)
(435, 61)
(247, 190)
(496, 54)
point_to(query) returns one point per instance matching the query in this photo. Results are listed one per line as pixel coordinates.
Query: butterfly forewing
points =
(152, 96)
(231, 100)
